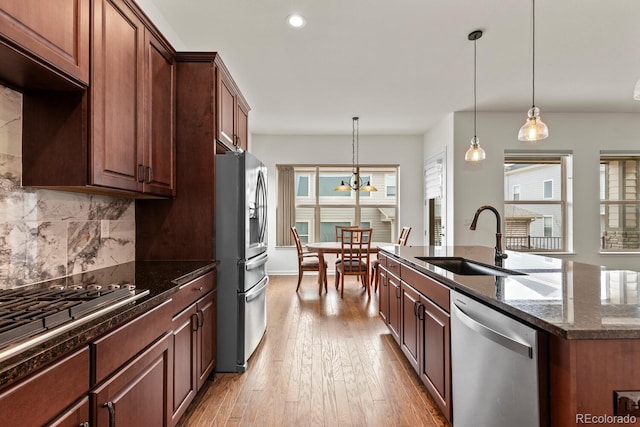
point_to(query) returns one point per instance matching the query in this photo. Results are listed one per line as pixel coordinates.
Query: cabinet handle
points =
(235, 140)
(415, 308)
(194, 322)
(140, 173)
(149, 174)
(396, 291)
(421, 310)
(112, 413)
(200, 323)
(84, 424)
(199, 289)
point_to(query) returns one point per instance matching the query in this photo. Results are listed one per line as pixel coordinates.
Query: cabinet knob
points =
(149, 174)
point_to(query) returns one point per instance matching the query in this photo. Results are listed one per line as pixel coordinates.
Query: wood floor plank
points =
(324, 361)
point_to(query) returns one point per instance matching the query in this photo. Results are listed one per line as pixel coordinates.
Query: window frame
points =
(352, 202)
(562, 160)
(544, 189)
(623, 202)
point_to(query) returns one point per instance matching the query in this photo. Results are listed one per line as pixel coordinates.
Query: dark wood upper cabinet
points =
(118, 137)
(132, 103)
(44, 46)
(232, 111)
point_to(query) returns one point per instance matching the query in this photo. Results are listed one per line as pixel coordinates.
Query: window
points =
(516, 192)
(547, 189)
(302, 185)
(311, 202)
(548, 226)
(303, 231)
(619, 202)
(390, 181)
(535, 208)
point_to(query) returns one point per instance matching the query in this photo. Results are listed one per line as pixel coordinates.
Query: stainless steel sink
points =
(467, 267)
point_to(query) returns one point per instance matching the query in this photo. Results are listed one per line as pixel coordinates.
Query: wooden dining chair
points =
(307, 261)
(354, 256)
(402, 241)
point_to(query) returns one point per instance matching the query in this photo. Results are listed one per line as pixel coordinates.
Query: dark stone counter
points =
(566, 298)
(161, 278)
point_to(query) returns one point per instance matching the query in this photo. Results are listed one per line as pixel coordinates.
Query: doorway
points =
(435, 200)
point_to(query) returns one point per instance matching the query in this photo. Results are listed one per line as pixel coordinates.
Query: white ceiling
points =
(402, 65)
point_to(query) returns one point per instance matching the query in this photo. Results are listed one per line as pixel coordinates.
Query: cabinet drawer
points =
(428, 287)
(382, 259)
(393, 266)
(45, 394)
(114, 349)
(192, 291)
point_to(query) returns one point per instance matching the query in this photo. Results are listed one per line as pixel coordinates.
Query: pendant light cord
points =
(533, 54)
(474, 89)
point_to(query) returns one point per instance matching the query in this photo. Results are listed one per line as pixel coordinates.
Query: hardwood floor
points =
(323, 361)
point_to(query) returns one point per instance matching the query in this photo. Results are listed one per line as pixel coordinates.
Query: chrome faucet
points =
(499, 255)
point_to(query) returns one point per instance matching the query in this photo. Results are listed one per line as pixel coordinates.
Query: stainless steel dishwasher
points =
(496, 378)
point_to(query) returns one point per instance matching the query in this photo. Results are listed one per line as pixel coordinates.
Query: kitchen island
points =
(589, 316)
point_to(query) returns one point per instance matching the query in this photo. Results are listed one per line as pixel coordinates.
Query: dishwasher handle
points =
(495, 336)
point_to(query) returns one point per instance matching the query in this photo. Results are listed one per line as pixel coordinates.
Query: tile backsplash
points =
(47, 234)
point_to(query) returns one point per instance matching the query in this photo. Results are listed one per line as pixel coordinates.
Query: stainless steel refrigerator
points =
(241, 248)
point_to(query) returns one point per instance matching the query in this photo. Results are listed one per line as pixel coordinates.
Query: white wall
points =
(403, 150)
(477, 184)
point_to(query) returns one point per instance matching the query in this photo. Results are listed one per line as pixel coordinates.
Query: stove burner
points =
(25, 313)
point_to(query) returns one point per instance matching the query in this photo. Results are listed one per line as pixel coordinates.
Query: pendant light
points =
(355, 183)
(533, 129)
(475, 153)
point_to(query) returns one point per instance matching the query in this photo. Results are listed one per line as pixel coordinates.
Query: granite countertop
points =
(161, 278)
(566, 298)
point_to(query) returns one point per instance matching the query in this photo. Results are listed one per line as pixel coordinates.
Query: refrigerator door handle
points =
(493, 335)
(257, 290)
(256, 261)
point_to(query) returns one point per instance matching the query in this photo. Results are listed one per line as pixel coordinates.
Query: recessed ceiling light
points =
(296, 21)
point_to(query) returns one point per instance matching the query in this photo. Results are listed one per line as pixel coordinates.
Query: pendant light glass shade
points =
(534, 128)
(355, 182)
(636, 91)
(475, 153)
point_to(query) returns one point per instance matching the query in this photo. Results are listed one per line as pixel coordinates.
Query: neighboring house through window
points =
(535, 207)
(315, 208)
(619, 202)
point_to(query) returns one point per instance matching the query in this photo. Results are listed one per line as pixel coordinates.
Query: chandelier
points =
(355, 182)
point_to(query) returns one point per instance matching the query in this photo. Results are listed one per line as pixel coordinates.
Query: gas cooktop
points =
(29, 316)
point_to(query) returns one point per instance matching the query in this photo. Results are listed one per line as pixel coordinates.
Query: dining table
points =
(322, 248)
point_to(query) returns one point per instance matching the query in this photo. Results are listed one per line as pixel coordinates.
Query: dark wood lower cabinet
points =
(47, 394)
(137, 394)
(434, 353)
(395, 299)
(194, 351)
(409, 332)
(415, 309)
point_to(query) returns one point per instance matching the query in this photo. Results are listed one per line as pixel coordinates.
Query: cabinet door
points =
(76, 416)
(409, 330)
(137, 394)
(57, 33)
(395, 295)
(116, 97)
(206, 359)
(435, 360)
(159, 163)
(242, 127)
(184, 360)
(226, 105)
(383, 299)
